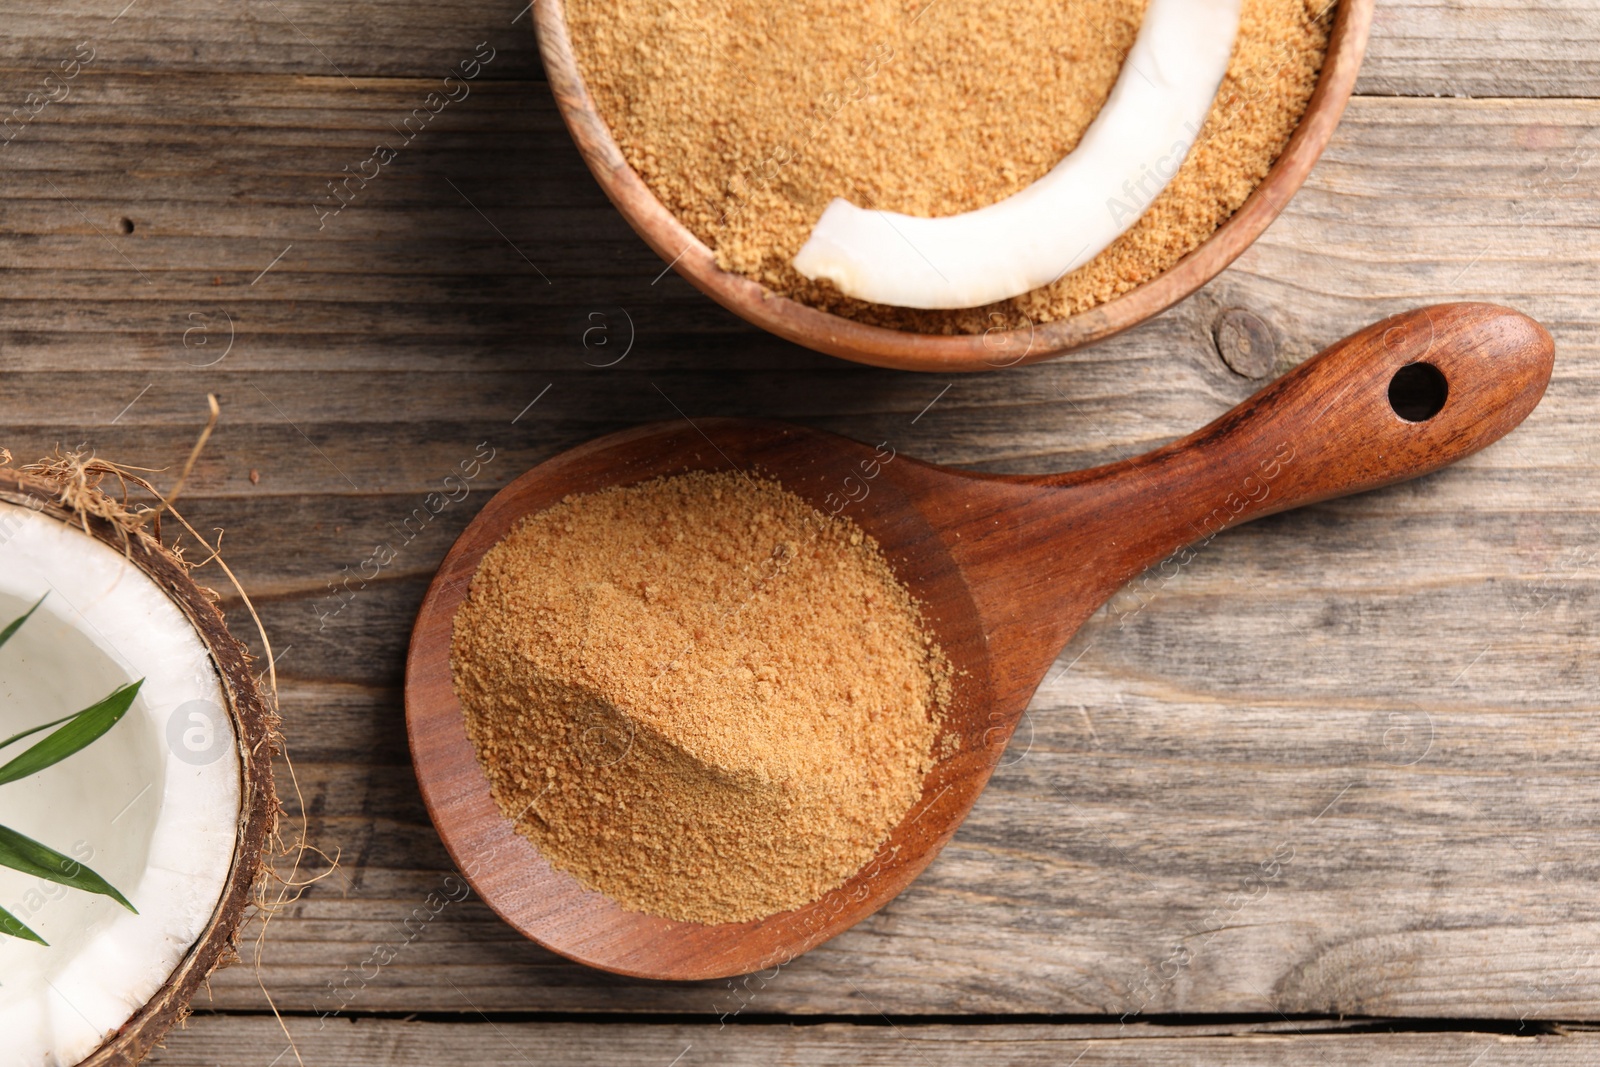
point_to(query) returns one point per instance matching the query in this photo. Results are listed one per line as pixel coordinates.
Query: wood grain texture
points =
(1276, 691)
(1484, 48)
(256, 1041)
(1465, 48)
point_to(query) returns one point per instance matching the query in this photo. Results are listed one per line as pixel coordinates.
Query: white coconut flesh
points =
(1124, 160)
(152, 805)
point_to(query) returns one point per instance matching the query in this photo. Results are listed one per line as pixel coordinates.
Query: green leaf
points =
(22, 853)
(14, 738)
(10, 924)
(81, 730)
(16, 624)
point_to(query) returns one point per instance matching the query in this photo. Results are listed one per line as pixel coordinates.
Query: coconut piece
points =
(173, 806)
(1125, 159)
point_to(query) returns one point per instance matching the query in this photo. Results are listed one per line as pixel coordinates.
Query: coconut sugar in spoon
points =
(1007, 568)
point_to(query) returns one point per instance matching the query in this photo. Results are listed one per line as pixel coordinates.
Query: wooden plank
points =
(1272, 694)
(252, 1042)
(356, 40)
(1419, 47)
(1483, 48)
(443, 294)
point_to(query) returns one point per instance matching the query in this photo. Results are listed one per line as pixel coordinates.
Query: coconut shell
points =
(254, 724)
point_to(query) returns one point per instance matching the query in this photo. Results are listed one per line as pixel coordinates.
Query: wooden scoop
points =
(1006, 567)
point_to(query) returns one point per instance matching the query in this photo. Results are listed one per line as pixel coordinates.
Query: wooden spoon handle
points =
(1403, 397)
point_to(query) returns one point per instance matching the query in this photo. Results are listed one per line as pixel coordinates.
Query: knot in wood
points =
(1245, 343)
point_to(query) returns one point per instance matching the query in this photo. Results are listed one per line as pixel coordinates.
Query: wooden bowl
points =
(883, 347)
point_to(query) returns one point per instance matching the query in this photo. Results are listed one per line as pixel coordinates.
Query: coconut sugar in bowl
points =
(697, 694)
(716, 128)
(886, 638)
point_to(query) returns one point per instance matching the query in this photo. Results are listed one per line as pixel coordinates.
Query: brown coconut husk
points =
(70, 487)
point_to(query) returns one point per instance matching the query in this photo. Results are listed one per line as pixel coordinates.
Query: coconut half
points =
(172, 806)
(1124, 160)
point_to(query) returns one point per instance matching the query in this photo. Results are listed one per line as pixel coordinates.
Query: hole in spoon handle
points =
(1402, 397)
(1418, 391)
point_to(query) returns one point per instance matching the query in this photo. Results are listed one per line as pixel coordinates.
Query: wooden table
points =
(1389, 701)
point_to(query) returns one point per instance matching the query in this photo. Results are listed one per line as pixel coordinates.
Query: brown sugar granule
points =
(747, 118)
(697, 695)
